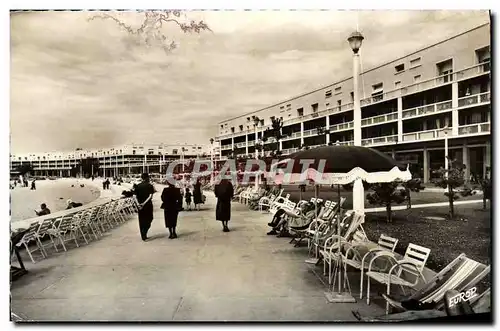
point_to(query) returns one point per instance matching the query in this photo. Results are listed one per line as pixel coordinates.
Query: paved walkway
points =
(423, 205)
(204, 275)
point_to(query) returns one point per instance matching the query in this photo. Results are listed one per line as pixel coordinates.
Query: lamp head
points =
(355, 40)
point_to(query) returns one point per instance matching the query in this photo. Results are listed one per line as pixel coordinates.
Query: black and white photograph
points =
(182, 165)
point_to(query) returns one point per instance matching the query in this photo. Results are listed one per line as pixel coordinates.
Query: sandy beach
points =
(54, 193)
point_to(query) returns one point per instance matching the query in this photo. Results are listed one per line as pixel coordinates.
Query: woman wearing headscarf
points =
(171, 198)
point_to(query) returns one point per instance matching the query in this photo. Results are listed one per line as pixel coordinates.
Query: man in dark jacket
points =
(171, 199)
(224, 193)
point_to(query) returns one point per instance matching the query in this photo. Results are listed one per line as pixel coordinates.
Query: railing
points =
(289, 151)
(380, 119)
(381, 97)
(475, 70)
(427, 109)
(240, 145)
(474, 128)
(350, 142)
(341, 126)
(293, 135)
(380, 140)
(312, 132)
(474, 99)
(225, 147)
(425, 135)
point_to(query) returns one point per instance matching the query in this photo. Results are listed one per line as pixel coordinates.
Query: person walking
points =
(33, 185)
(197, 195)
(144, 193)
(224, 193)
(171, 198)
(188, 198)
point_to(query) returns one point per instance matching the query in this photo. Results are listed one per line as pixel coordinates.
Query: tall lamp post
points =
(355, 40)
(446, 130)
(256, 122)
(212, 160)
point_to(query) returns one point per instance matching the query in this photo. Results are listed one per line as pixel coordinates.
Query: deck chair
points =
(358, 253)
(300, 228)
(44, 231)
(478, 304)
(402, 270)
(65, 230)
(277, 204)
(461, 274)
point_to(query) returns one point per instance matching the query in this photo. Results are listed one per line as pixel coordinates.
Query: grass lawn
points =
(446, 239)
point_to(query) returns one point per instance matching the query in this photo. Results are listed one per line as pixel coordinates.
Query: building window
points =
(314, 107)
(338, 90)
(327, 104)
(222, 126)
(232, 129)
(288, 106)
(400, 68)
(445, 69)
(241, 127)
(483, 56)
(328, 94)
(248, 119)
(415, 63)
(352, 96)
(300, 112)
(272, 118)
(282, 107)
(397, 84)
(377, 92)
(339, 102)
(417, 78)
(174, 151)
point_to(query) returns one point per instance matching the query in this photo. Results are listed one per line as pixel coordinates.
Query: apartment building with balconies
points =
(408, 106)
(116, 161)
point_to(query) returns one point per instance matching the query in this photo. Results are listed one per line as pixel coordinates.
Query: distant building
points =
(117, 161)
(405, 104)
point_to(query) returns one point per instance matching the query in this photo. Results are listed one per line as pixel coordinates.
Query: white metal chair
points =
(402, 270)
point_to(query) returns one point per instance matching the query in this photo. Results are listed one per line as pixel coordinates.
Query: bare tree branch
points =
(150, 31)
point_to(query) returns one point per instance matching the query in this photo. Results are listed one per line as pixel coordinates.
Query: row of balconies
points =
(463, 130)
(436, 108)
(467, 73)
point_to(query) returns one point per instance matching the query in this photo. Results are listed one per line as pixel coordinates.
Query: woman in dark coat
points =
(224, 194)
(171, 198)
(144, 192)
(197, 196)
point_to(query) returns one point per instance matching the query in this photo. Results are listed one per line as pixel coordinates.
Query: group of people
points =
(23, 182)
(44, 210)
(172, 201)
(105, 184)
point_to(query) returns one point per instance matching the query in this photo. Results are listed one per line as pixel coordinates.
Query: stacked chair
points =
(78, 227)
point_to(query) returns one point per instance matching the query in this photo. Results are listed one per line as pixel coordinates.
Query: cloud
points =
(76, 83)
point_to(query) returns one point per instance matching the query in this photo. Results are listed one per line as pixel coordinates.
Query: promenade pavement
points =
(204, 275)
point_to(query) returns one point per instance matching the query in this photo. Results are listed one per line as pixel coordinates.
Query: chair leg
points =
(44, 252)
(387, 302)
(29, 253)
(84, 238)
(361, 283)
(368, 291)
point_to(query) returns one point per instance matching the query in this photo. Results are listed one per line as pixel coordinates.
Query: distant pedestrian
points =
(224, 193)
(33, 185)
(188, 199)
(43, 210)
(144, 193)
(171, 197)
(197, 195)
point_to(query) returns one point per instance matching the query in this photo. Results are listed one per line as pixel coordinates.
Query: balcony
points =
(476, 70)
(424, 135)
(392, 139)
(427, 110)
(309, 133)
(341, 126)
(349, 143)
(475, 99)
(289, 151)
(381, 97)
(379, 119)
(478, 128)
(251, 143)
(225, 147)
(240, 145)
(293, 135)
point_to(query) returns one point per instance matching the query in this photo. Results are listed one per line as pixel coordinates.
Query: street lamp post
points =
(446, 129)
(355, 40)
(256, 121)
(212, 160)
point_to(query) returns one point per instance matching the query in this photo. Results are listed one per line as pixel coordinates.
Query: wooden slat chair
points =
(267, 201)
(300, 225)
(350, 224)
(322, 228)
(29, 237)
(65, 231)
(357, 255)
(412, 264)
(46, 230)
(277, 204)
(461, 274)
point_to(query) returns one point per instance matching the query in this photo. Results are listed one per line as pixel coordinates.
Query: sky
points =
(80, 83)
